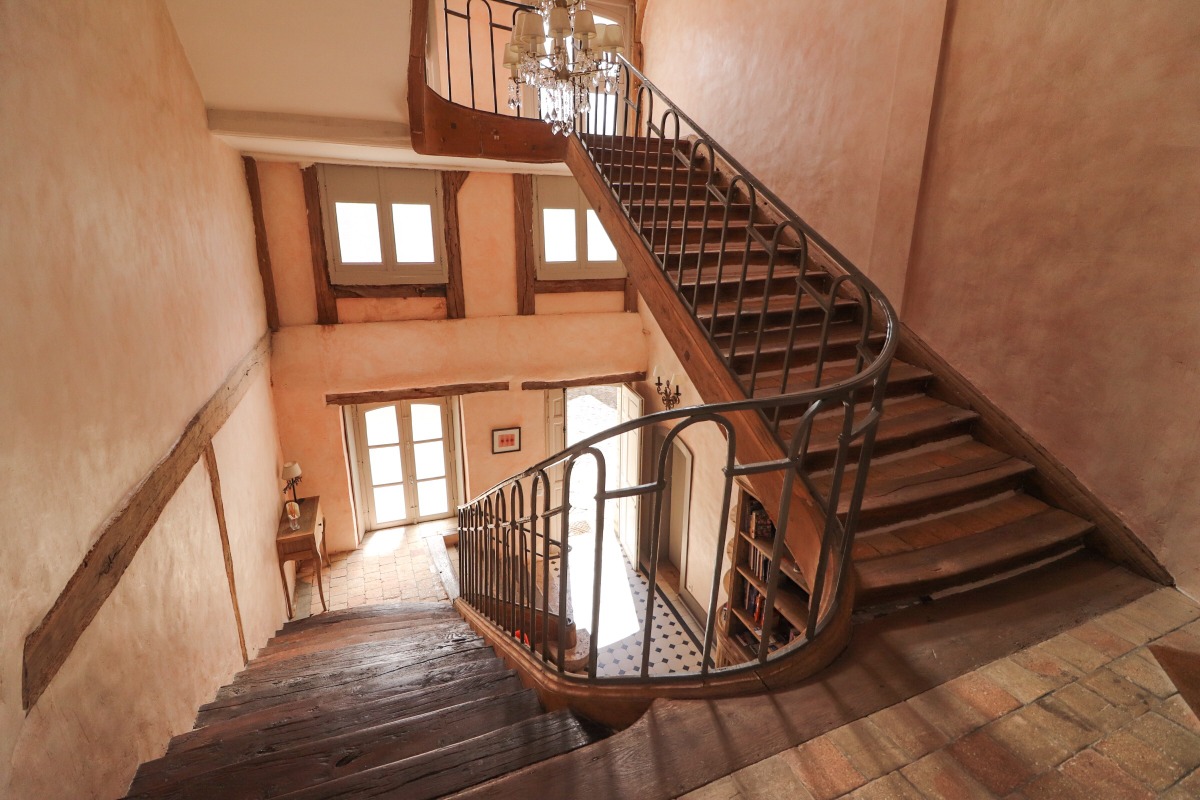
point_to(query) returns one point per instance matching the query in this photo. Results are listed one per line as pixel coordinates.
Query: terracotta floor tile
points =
(947, 712)
(908, 729)
(1144, 762)
(870, 750)
(1022, 684)
(1103, 778)
(890, 787)
(1181, 746)
(983, 694)
(990, 763)
(1054, 785)
(769, 779)
(1076, 652)
(939, 777)
(824, 770)
(1176, 709)
(1141, 668)
(1023, 735)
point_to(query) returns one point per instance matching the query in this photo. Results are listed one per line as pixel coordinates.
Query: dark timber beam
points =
(596, 380)
(523, 224)
(214, 481)
(422, 393)
(260, 242)
(456, 303)
(327, 313)
(51, 642)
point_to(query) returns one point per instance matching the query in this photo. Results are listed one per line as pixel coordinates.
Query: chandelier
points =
(563, 53)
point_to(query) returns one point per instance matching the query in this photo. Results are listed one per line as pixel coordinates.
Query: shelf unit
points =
(740, 621)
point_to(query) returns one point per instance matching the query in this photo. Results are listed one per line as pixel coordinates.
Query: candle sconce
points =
(669, 399)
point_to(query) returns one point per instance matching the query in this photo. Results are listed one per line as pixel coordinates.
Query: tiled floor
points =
(391, 564)
(1088, 714)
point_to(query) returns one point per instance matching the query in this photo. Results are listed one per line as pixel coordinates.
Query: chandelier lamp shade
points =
(565, 55)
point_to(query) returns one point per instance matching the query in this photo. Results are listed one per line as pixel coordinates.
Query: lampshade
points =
(531, 27)
(512, 54)
(614, 39)
(585, 25)
(560, 22)
(290, 470)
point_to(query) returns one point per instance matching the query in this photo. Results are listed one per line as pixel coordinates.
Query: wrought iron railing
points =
(723, 242)
(472, 34)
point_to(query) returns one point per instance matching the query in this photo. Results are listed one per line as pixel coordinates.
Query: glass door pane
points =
(385, 467)
(430, 458)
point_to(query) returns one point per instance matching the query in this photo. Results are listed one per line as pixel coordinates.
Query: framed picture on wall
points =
(506, 440)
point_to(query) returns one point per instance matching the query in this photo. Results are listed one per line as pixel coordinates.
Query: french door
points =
(405, 462)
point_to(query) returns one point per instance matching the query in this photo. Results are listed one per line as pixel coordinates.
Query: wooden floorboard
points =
(682, 745)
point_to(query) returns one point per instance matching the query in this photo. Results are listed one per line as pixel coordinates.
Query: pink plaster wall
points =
(486, 411)
(827, 103)
(309, 362)
(387, 309)
(131, 290)
(285, 218)
(578, 302)
(489, 245)
(1056, 258)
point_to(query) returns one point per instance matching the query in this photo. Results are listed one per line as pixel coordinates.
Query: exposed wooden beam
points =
(456, 303)
(47, 647)
(422, 393)
(523, 221)
(595, 380)
(580, 285)
(326, 303)
(309, 128)
(214, 481)
(260, 242)
(631, 296)
(405, 290)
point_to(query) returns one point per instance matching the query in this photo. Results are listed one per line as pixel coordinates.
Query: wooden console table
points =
(305, 544)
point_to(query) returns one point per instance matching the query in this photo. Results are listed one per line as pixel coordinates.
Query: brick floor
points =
(391, 564)
(1088, 714)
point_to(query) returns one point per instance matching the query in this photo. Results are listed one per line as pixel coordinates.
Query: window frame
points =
(382, 186)
(555, 191)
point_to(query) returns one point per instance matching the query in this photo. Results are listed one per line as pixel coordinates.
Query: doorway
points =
(404, 462)
(674, 556)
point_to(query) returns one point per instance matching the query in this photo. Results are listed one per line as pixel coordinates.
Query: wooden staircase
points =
(393, 698)
(941, 508)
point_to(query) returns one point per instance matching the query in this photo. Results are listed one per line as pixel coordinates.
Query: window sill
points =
(347, 291)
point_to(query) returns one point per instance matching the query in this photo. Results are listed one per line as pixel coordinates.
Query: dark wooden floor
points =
(682, 745)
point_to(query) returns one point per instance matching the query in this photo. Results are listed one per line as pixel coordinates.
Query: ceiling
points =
(308, 79)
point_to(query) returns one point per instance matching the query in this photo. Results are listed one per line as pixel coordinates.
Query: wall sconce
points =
(669, 399)
(290, 474)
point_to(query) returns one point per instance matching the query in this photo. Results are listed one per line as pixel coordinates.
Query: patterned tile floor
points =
(676, 646)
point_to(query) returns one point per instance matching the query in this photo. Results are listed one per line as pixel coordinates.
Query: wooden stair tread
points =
(776, 304)
(755, 273)
(367, 612)
(318, 640)
(922, 490)
(360, 654)
(963, 560)
(807, 338)
(903, 425)
(801, 377)
(945, 526)
(290, 769)
(461, 765)
(300, 720)
(408, 674)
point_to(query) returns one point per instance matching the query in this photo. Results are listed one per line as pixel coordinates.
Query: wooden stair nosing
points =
(328, 640)
(311, 764)
(397, 609)
(461, 765)
(322, 671)
(345, 627)
(441, 687)
(960, 561)
(413, 672)
(894, 434)
(902, 377)
(359, 654)
(896, 499)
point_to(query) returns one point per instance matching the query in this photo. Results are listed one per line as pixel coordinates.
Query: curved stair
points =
(394, 698)
(941, 509)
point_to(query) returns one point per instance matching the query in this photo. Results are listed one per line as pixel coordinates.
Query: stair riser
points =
(728, 289)
(900, 592)
(774, 358)
(875, 517)
(883, 446)
(810, 314)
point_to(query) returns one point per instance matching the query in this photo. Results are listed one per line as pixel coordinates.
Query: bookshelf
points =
(740, 621)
